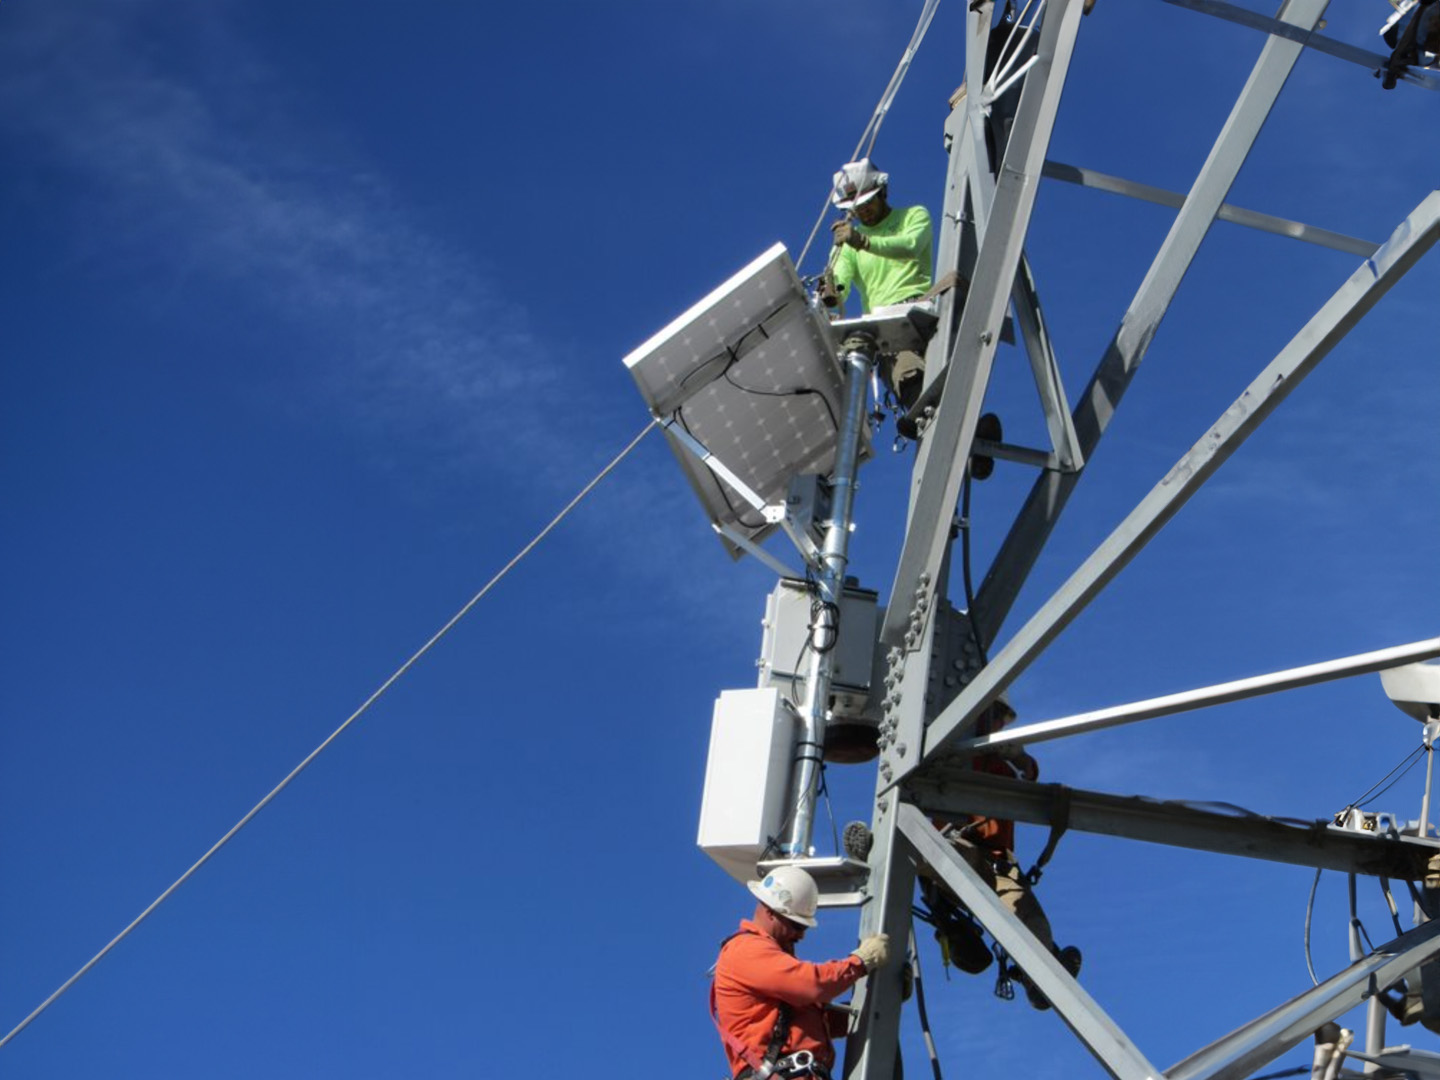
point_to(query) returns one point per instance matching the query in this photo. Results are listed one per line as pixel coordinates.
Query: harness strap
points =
(1059, 822)
(758, 1067)
(945, 284)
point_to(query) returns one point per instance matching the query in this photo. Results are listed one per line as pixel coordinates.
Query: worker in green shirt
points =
(885, 250)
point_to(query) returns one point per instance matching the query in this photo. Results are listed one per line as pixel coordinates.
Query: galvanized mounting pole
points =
(858, 358)
(1374, 1032)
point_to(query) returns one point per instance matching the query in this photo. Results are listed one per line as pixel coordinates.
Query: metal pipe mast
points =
(857, 358)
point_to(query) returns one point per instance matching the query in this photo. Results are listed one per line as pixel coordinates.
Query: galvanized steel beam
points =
(1142, 319)
(1080, 1012)
(1219, 694)
(955, 790)
(1236, 215)
(944, 453)
(1248, 1048)
(1341, 50)
(1415, 235)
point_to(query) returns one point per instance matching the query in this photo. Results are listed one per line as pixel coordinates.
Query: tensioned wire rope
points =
(867, 142)
(882, 109)
(371, 700)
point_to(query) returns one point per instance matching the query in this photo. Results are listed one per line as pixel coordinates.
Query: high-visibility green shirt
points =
(896, 265)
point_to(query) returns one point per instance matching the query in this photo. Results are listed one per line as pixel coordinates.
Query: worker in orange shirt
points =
(771, 1008)
(988, 845)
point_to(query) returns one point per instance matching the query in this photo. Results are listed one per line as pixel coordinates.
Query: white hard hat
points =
(788, 891)
(856, 183)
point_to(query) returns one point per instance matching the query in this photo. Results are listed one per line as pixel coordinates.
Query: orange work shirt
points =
(754, 975)
(997, 835)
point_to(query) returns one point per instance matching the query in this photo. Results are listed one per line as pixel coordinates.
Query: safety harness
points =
(772, 1063)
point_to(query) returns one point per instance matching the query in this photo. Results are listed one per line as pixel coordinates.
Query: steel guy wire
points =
(1406, 763)
(374, 697)
(872, 129)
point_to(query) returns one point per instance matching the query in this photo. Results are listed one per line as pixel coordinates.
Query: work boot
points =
(1032, 992)
(1070, 959)
(987, 428)
(962, 942)
(907, 426)
(857, 840)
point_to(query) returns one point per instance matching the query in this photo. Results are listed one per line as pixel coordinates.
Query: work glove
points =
(873, 951)
(845, 233)
(827, 292)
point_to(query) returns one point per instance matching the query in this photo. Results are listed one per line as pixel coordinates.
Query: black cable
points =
(738, 515)
(800, 391)
(1284, 1072)
(772, 843)
(1370, 945)
(1419, 899)
(1407, 763)
(1390, 903)
(920, 1007)
(1387, 787)
(795, 674)
(824, 791)
(819, 608)
(733, 351)
(1310, 911)
(731, 356)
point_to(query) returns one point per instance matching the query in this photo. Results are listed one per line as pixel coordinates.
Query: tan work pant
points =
(904, 374)
(1008, 881)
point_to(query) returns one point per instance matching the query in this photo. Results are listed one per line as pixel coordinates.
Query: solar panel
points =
(748, 387)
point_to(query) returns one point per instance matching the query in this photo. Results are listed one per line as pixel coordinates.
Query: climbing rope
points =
(374, 697)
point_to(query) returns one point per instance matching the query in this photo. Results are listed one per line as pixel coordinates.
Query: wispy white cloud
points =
(200, 164)
(196, 170)
(1318, 444)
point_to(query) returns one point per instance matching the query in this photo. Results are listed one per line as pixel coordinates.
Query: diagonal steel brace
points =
(1081, 1013)
(1374, 278)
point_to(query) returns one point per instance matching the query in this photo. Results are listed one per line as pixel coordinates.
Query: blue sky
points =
(314, 315)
